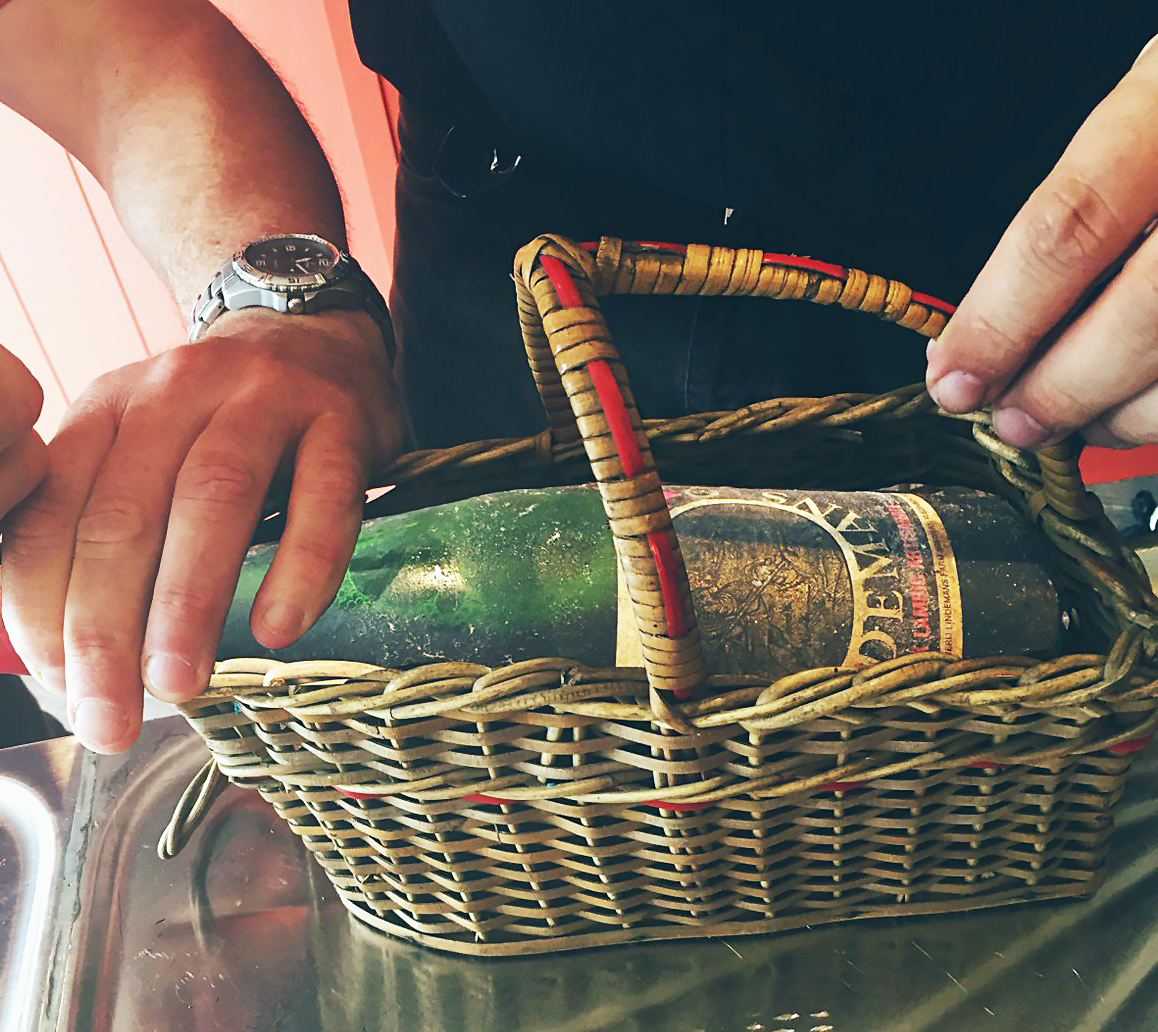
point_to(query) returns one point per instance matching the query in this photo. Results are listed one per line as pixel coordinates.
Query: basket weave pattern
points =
(546, 806)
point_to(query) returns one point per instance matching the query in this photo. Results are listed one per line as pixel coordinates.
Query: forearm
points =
(196, 140)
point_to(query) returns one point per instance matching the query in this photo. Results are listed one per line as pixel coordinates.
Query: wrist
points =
(346, 325)
(294, 274)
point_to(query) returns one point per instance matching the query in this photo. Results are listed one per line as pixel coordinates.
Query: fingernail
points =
(958, 391)
(1018, 428)
(171, 678)
(282, 620)
(99, 723)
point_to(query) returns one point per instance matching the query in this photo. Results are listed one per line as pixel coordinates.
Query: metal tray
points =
(242, 933)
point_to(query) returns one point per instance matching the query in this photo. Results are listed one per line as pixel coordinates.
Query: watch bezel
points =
(285, 284)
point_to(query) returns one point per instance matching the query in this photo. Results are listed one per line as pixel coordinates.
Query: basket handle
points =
(587, 397)
(191, 809)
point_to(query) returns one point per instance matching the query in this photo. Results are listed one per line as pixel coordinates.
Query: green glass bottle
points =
(781, 581)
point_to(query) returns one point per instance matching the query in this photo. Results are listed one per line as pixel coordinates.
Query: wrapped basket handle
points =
(587, 397)
(195, 802)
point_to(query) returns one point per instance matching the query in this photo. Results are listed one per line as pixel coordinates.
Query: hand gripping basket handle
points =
(586, 394)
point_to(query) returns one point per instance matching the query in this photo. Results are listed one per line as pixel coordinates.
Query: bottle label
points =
(788, 580)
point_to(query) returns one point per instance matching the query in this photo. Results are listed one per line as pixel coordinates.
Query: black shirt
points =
(899, 138)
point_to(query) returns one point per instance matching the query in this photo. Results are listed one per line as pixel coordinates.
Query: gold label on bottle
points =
(787, 580)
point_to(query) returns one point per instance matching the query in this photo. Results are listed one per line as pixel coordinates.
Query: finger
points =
(118, 542)
(216, 503)
(1148, 48)
(38, 541)
(325, 514)
(1104, 358)
(1132, 423)
(22, 467)
(1076, 224)
(21, 399)
(1100, 436)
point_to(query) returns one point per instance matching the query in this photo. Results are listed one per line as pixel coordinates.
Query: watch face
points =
(289, 261)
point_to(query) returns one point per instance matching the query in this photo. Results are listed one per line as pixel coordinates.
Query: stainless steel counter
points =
(242, 933)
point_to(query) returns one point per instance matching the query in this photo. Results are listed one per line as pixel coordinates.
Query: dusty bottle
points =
(781, 581)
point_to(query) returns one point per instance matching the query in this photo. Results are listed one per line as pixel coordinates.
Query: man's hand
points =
(125, 559)
(23, 456)
(1016, 342)
(120, 568)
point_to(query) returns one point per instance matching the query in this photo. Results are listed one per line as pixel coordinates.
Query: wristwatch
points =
(294, 273)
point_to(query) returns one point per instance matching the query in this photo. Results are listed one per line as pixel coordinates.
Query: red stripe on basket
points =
(630, 457)
(934, 302)
(840, 786)
(356, 795)
(1134, 745)
(602, 379)
(665, 563)
(561, 280)
(618, 419)
(794, 261)
(985, 765)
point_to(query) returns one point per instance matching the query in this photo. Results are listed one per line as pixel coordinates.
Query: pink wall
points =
(77, 299)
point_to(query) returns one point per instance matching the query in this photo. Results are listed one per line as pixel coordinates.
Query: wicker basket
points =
(548, 806)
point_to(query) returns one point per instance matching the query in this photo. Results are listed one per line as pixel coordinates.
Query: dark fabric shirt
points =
(899, 138)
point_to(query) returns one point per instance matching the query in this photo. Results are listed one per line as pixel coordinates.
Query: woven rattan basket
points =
(547, 806)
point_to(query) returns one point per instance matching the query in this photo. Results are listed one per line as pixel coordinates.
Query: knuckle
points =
(87, 640)
(22, 393)
(1005, 343)
(171, 362)
(314, 559)
(171, 368)
(35, 457)
(1055, 405)
(33, 639)
(180, 602)
(112, 522)
(1072, 225)
(100, 393)
(21, 470)
(336, 482)
(36, 529)
(217, 479)
(15, 426)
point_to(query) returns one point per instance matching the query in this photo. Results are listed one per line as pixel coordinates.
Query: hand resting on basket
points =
(1015, 342)
(120, 567)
